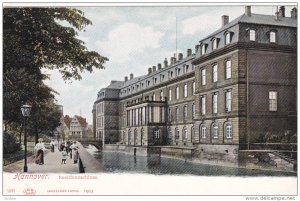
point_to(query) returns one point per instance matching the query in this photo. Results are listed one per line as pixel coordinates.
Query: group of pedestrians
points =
(67, 148)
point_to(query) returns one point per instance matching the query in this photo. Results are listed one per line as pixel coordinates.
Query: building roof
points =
(258, 19)
(81, 120)
(115, 84)
(67, 120)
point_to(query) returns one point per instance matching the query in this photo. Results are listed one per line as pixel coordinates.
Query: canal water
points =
(119, 162)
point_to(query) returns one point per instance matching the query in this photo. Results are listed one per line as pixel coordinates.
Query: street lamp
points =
(26, 113)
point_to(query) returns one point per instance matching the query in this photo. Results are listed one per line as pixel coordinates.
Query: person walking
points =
(75, 155)
(52, 145)
(64, 156)
(39, 149)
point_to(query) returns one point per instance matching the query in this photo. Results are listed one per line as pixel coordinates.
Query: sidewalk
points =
(52, 164)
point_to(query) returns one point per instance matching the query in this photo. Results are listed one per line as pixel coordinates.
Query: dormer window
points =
(228, 36)
(186, 68)
(162, 77)
(203, 48)
(137, 87)
(125, 92)
(215, 44)
(170, 74)
(148, 83)
(155, 80)
(142, 85)
(178, 71)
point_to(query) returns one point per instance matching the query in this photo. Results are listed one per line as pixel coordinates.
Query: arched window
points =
(184, 134)
(176, 134)
(170, 136)
(228, 130)
(142, 137)
(192, 134)
(129, 137)
(214, 131)
(135, 136)
(202, 131)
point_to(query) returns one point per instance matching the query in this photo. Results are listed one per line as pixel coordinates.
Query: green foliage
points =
(35, 39)
(10, 144)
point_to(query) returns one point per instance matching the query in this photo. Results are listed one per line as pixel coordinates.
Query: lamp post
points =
(26, 113)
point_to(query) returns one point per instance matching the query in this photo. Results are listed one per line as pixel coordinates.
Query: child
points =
(64, 156)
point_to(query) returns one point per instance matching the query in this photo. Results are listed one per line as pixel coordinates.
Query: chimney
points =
(172, 60)
(248, 11)
(165, 63)
(282, 11)
(131, 76)
(149, 71)
(125, 78)
(158, 66)
(225, 20)
(277, 16)
(197, 48)
(180, 56)
(189, 52)
(294, 13)
(153, 69)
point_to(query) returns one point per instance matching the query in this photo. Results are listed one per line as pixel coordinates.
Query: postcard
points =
(150, 99)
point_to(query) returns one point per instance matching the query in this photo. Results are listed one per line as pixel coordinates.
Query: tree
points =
(33, 39)
(46, 117)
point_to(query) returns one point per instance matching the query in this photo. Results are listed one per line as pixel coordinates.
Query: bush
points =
(10, 144)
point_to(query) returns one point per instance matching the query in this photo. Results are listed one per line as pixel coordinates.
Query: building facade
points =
(238, 86)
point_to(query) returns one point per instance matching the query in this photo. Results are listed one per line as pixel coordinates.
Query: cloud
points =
(127, 39)
(199, 23)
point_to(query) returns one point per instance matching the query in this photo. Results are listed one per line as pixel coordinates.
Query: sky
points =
(134, 39)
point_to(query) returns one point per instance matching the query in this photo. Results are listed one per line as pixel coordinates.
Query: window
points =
(177, 93)
(228, 130)
(162, 77)
(193, 88)
(177, 114)
(153, 96)
(193, 110)
(155, 80)
(203, 77)
(169, 114)
(186, 68)
(184, 113)
(228, 69)
(272, 37)
(184, 134)
(228, 101)
(203, 49)
(203, 105)
(227, 38)
(215, 103)
(215, 43)
(170, 94)
(156, 134)
(214, 130)
(203, 131)
(170, 136)
(176, 134)
(192, 134)
(161, 95)
(252, 35)
(273, 100)
(185, 92)
(215, 73)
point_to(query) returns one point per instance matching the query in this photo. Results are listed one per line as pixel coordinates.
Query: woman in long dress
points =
(75, 155)
(39, 149)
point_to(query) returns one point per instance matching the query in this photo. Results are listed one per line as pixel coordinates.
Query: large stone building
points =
(239, 85)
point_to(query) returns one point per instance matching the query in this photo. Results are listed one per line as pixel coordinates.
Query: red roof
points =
(82, 121)
(67, 120)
